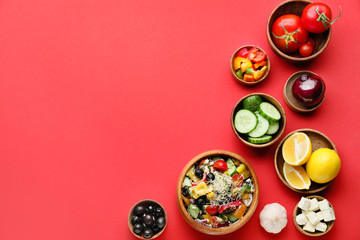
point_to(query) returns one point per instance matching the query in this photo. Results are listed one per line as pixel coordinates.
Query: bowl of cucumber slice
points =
(258, 120)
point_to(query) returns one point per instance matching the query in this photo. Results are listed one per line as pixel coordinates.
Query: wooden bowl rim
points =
(279, 107)
(240, 80)
(131, 214)
(291, 104)
(284, 55)
(315, 234)
(223, 230)
(303, 191)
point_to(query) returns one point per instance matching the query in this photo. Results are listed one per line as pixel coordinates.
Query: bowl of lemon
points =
(307, 161)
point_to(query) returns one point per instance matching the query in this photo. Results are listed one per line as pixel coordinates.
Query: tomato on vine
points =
(288, 33)
(316, 17)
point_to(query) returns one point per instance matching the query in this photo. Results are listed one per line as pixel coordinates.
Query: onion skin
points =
(309, 89)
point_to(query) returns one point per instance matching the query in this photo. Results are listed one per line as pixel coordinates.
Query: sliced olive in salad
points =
(217, 191)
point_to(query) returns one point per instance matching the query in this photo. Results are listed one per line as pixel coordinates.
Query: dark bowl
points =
(289, 98)
(282, 121)
(241, 80)
(296, 7)
(146, 203)
(318, 140)
(221, 230)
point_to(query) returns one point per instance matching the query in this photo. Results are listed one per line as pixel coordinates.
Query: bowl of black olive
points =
(147, 219)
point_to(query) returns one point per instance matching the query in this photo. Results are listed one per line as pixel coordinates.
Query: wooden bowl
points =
(296, 7)
(282, 121)
(289, 98)
(318, 140)
(297, 211)
(242, 81)
(222, 230)
(146, 203)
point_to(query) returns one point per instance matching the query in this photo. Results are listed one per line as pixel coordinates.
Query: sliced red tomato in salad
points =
(220, 165)
(212, 209)
(255, 55)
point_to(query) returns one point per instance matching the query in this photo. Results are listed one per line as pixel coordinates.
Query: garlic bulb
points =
(273, 218)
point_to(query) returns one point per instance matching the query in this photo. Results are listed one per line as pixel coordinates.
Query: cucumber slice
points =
(263, 139)
(261, 128)
(194, 211)
(273, 128)
(252, 103)
(269, 111)
(187, 182)
(245, 121)
(232, 218)
(231, 167)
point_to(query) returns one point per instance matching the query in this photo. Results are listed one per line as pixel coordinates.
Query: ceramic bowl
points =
(296, 7)
(317, 233)
(282, 121)
(205, 228)
(241, 79)
(145, 203)
(318, 140)
(291, 101)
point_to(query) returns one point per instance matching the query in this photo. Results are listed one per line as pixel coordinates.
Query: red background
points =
(103, 102)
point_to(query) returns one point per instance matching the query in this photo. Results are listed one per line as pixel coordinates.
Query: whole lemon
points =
(323, 166)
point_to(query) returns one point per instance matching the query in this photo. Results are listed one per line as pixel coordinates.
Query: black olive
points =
(135, 219)
(159, 211)
(148, 233)
(185, 191)
(199, 173)
(148, 219)
(139, 210)
(155, 228)
(150, 209)
(160, 222)
(138, 228)
(210, 177)
(200, 202)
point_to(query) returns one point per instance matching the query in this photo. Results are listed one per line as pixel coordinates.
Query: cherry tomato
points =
(255, 55)
(238, 180)
(220, 165)
(311, 42)
(316, 17)
(288, 33)
(305, 49)
(212, 209)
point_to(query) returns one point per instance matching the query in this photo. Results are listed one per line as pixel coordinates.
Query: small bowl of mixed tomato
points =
(299, 30)
(217, 192)
(250, 65)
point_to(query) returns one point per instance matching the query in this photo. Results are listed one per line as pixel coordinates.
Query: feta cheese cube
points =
(321, 227)
(324, 204)
(332, 214)
(301, 219)
(327, 215)
(304, 204)
(305, 212)
(313, 218)
(320, 215)
(314, 205)
(309, 227)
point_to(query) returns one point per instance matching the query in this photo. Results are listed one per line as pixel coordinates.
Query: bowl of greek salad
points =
(217, 192)
(258, 120)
